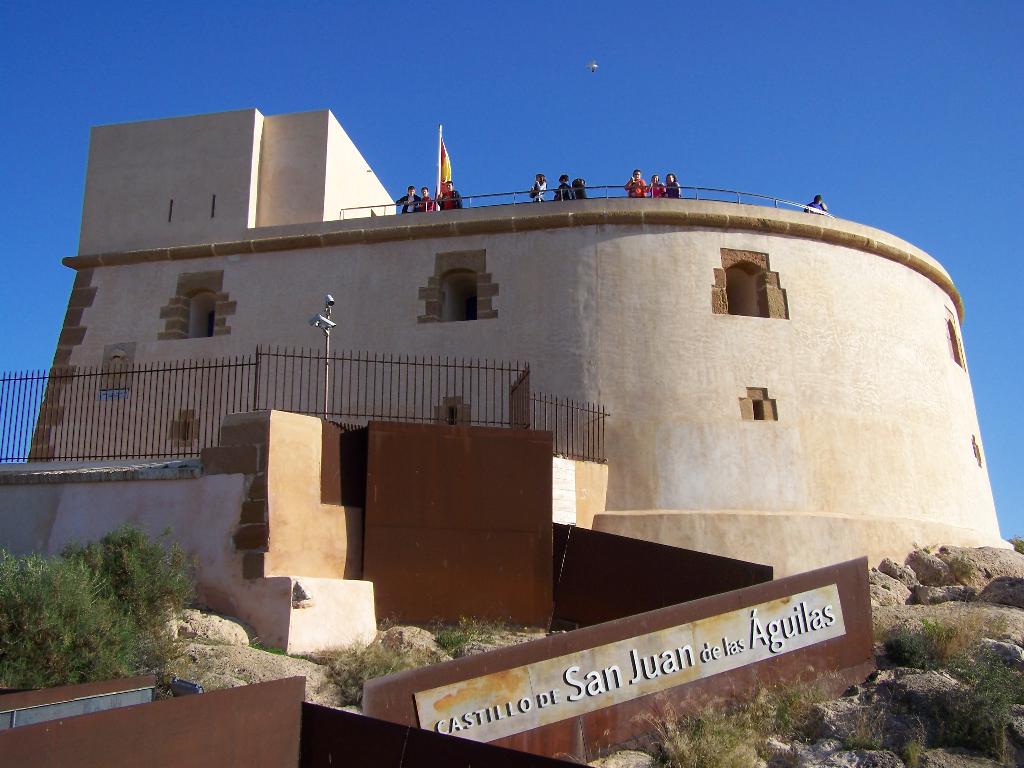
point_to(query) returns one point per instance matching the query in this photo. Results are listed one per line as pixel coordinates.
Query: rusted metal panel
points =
(330, 464)
(589, 735)
(352, 473)
(255, 725)
(332, 738)
(632, 576)
(458, 523)
(42, 696)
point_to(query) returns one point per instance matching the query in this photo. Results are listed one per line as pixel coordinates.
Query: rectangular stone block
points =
(252, 536)
(253, 512)
(252, 565)
(231, 460)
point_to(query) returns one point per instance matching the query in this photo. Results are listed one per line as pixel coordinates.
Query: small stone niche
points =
(758, 405)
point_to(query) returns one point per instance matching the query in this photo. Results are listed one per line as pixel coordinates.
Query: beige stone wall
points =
(789, 542)
(614, 304)
(136, 169)
(264, 171)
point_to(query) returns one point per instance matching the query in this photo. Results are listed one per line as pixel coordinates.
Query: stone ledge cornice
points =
(527, 218)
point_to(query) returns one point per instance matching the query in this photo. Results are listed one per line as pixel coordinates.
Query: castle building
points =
(783, 387)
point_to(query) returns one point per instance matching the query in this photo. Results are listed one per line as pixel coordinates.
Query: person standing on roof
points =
(817, 205)
(671, 185)
(636, 186)
(449, 199)
(564, 191)
(428, 203)
(409, 201)
(540, 186)
(657, 188)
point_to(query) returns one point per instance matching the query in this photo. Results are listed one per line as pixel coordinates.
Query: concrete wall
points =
(613, 303)
(279, 170)
(350, 182)
(256, 502)
(292, 169)
(136, 169)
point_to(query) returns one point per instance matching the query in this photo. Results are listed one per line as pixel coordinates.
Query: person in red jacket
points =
(428, 203)
(636, 186)
(657, 188)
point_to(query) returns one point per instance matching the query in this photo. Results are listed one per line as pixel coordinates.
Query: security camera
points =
(319, 321)
(329, 300)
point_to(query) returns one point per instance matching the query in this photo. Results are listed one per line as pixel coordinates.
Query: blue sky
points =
(905, 116)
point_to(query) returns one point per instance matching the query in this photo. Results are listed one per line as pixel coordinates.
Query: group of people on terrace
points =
(448, 199)
(637, 187)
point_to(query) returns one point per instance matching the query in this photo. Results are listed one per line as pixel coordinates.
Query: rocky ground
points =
(968, 601)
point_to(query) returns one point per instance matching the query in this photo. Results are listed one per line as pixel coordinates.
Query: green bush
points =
(56, 627)
(454, 638)
(981, 714)
(148, 580)
(1018, 544)
(348, 668)
(96, 612)
(936, 644)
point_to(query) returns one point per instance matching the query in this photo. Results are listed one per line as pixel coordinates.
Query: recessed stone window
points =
(184, 428)
(461, 288)
(745, 285)
(976, 448)
(115, 382)
(956, 349)
(198, 309)
(758, 406)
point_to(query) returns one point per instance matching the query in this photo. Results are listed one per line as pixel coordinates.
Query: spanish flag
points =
(444, 163)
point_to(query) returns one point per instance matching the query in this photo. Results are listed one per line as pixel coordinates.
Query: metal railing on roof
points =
(598, 192)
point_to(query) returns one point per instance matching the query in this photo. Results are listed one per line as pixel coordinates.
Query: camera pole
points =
(327, 355)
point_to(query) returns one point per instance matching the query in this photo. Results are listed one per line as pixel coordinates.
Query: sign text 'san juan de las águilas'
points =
(520, 699)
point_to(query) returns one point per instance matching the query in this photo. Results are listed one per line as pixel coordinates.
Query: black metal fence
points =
(175, 409)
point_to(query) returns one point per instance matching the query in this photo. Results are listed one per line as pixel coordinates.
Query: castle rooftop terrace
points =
(508, 218)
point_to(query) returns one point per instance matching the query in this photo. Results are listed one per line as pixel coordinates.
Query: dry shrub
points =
(961, 569)
(937, 642)
(454, 638)
(710, 738)
(1018, 544)
(348, 668)
(718, 736)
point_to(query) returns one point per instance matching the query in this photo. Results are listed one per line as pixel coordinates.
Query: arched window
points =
(746, 286)
(741, 290)
(201, 315)
(458, 295)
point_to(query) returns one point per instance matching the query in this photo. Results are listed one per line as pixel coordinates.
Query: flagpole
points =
(437, 189)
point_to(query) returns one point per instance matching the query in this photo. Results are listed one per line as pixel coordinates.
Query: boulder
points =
(902, 573)
(929, 569)
(885, 590)
(412, 640)
(1011, 653)
(977, 567)
(935, 595)
(629, 758)
(1005, 590)
(954, 758)
(227, 666)
(830, 753)
(209, 628)
(863, 758)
